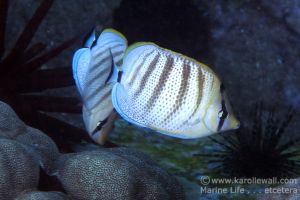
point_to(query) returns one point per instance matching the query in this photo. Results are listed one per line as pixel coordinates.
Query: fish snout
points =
(99, 123)
(233, 123)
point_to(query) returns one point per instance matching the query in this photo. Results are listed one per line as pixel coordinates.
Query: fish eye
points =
(99, 126)
(220, 114)
(224, 109)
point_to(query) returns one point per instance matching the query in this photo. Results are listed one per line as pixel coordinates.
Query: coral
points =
(117, 173)
(99, 173)
(144, 162)
(41, 146)
(19, 170)
(23, 151)
(37, 195)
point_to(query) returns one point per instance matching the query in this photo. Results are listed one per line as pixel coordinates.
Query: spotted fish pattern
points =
(165, 91)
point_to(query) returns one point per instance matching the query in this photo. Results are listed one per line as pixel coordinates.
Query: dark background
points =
(252, 45)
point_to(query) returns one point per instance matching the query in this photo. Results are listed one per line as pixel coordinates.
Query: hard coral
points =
(37, 195)
(117, 173)
(40, 145)
(102, 173)
(18, 169)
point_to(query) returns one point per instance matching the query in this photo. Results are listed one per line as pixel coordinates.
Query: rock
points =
(39, 144)
(9, 121)
(192, 190)
(186, 32)
(19, 170)
(43, 146)
(37, 195)
(287, 11)
(61, 22)
(143, 161)
(255, 48)
(117, 173)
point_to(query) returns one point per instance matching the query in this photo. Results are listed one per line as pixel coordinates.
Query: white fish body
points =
(92, 70)
(171, 93)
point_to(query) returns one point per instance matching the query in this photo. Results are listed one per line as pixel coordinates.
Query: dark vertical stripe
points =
(98, 64)
(103, 98)
(120, 74)
(115, 54)
(112, 68)
(183, 90)
(161, 83)
(200, 84)
(105, 48)
(138, 68)
(102, 54)
(95, 92)
(100, 124)
(146, 75)
(98, 76)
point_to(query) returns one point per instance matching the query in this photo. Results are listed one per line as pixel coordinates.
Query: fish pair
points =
(149, 86)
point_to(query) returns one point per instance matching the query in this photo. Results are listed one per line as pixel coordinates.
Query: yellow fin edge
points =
(161, 130)
(191, 59)
(138, 44)
(111, 30)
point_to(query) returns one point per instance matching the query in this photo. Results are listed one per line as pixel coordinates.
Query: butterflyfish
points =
(171, 93)
(93, 68)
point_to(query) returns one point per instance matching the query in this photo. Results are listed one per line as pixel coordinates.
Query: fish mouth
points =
(231, 123)
(104, 127)
(99, 126)
(100, 137)
(237, 124)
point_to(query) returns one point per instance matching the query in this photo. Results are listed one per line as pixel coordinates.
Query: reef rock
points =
(19, 170)
(117, 173)
(39, 144)
(37, 195)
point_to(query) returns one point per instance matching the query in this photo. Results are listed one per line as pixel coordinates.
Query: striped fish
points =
(93, 73)
(171, 93)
